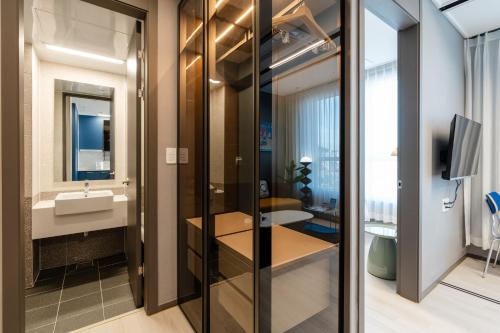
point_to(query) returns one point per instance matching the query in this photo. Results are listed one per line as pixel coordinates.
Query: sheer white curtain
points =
(482, 60)
(381, 100)
(307, 124)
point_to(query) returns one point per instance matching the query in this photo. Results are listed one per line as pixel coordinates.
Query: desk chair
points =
(493, 202)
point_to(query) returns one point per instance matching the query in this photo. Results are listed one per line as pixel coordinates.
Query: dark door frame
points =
(349, 296)
(408, 244)
(12, 127)
(12, 164)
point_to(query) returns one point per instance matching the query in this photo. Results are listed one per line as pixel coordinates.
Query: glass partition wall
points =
(190, 171)
(259, 165)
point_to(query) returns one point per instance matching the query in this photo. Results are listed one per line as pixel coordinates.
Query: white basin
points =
(79, 202)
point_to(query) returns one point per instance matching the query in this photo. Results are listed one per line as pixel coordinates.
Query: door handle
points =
(126, 182)
(400, 184)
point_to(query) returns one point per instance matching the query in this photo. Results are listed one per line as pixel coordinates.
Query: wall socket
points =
(444, 203)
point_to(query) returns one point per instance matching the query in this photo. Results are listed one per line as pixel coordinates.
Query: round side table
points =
(382, 254)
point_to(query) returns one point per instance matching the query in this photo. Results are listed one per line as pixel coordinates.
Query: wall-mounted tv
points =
(463, 150)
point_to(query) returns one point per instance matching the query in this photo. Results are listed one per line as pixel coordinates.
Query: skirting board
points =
(441, 277)
(479, 257)
(162, 307)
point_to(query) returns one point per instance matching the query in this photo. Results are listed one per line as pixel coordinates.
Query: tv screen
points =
(463, 149)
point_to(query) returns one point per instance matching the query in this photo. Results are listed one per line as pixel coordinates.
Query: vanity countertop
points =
(51, 203)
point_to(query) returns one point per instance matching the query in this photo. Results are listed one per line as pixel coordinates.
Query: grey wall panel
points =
(442, 87)
(391, 13)
(408, 163)
(411, 6)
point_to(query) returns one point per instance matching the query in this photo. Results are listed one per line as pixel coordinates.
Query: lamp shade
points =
(306, 159)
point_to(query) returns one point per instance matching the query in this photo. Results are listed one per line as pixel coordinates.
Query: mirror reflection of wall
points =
(83, 132)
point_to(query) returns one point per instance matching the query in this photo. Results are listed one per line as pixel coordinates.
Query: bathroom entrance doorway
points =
(82, 169)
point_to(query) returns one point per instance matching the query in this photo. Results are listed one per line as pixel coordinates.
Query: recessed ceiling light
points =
(84, 54)
(198, 57)
(228, 29)
(298, 54)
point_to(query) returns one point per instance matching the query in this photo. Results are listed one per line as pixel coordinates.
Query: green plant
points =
(292, 173)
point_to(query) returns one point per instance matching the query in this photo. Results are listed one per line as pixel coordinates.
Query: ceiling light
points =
(224, 33)
(218, 3)
(245, 14)
(192, 62)
(214, 81)
(194, 33)
(298, 54)
(238, 20)
(84, 54)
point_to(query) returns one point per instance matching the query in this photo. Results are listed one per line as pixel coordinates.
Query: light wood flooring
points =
(445, 309)
(168, 321)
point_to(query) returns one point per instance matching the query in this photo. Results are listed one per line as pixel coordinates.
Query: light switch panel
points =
(171, 155)
(183, 156)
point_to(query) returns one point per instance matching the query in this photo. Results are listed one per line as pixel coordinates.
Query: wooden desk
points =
(273, 204)
(287, 245)
(302, 283)
(227, 223)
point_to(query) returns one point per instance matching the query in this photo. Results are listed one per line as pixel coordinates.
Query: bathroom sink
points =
(79, 202)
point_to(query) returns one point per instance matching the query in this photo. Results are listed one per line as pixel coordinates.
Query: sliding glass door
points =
(260, 165)
(300, 166)
(190, 166)
(230, 165)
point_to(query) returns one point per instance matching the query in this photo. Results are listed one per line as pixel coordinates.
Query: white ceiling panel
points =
(473, 17)
(307, 77)
(77, 25)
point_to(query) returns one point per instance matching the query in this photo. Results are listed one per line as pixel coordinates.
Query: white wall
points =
(48, 72)
(442, 96)
(35, 128)
(167, 137)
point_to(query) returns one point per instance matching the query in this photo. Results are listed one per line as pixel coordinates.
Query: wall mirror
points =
(83, 132)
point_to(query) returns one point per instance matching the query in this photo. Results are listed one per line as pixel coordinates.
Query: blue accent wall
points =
(91, 132)
(74, 139)
(93, 175)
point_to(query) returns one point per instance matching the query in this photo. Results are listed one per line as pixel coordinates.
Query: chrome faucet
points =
(86, 189)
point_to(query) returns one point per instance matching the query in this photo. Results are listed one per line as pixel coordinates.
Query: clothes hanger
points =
(303, 14)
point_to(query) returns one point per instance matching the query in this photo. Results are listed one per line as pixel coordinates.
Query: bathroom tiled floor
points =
(71, 297)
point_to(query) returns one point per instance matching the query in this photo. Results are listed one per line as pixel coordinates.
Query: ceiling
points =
(78, 25)
(472, 17)
(381, 41)
(92, 107)
(309, 76)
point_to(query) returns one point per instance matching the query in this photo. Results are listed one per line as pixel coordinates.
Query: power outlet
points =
(444, 207)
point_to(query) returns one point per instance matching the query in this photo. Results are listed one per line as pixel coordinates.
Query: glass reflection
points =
(299, 165)
(231, 118)
(190, 169)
